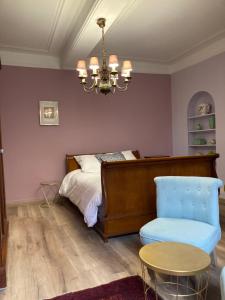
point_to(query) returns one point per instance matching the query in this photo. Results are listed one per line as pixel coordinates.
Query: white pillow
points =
(88, 163)
(128, 155)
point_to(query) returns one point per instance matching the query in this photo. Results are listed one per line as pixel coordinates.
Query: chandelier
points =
(105, 77)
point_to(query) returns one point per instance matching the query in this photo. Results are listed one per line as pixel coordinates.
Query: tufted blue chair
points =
(187, 212)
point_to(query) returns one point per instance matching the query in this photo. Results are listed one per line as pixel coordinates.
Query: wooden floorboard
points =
(51, 252)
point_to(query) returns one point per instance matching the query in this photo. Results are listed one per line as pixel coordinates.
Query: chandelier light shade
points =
(94, 65)
(81, 67)
(104, 77)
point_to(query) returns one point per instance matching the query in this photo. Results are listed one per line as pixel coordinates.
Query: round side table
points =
(47, 188)
(178, 270)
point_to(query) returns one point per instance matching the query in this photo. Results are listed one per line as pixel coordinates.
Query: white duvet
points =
(84, 190)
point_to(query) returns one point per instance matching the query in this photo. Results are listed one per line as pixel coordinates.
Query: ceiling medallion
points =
(105, 77)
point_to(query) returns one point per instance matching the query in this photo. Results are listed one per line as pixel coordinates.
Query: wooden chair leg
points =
(214, 258)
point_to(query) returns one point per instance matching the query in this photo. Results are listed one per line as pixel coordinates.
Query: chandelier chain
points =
(103, 47)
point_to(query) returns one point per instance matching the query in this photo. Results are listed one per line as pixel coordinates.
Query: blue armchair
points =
(187, 212)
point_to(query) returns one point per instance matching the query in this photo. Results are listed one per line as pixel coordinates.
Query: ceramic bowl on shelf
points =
(211, 153)
(199, 153)
(212, 141)
(199, 141)
(198, 126)
(203, 108)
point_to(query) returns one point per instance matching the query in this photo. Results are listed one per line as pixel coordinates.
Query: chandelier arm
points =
(96, 90)
(89, 88)
(122, 88)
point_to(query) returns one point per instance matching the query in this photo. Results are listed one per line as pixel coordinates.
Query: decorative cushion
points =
(116, 156)
(199, 234)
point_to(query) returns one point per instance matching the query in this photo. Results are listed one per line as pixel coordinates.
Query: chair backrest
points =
(188, 197)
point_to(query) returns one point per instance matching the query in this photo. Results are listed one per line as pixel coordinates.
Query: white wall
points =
(206, 76)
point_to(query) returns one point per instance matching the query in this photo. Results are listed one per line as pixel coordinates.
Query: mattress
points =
(84, 190)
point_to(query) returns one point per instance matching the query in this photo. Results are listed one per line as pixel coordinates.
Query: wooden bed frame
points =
(128, 188)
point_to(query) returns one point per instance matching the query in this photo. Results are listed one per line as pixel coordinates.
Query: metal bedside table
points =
(178, 270)
(49, 188)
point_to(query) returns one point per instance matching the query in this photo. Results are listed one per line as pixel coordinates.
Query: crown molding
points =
(17, 57)
(197, 56)
(191, 58)
(144, 67)
(25, 59)
(88, 37)
(58, 13)
(10, 48)
(197, 47)
(72, 34)
(150, 67)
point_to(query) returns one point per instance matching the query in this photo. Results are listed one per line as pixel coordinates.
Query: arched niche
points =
(197, 99)
(201, 120)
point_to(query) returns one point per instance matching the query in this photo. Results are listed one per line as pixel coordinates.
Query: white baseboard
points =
(25, 202)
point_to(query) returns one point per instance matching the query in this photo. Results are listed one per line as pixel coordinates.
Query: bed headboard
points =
(71, 163)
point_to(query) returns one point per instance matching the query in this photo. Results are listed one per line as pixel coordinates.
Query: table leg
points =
(45, 196)
(207, 284)
(177, 288)
(155, 281)
(143, 279)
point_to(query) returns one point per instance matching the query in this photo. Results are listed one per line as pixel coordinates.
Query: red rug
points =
(130, 288)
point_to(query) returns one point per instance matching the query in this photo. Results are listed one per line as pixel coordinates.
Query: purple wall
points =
(137, 119)
(207, 76)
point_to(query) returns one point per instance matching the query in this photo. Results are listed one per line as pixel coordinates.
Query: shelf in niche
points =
(206, 124)
(206, 145)
(201, 116)
(202, 130)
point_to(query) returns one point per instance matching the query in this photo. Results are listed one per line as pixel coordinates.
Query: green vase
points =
(212, 122)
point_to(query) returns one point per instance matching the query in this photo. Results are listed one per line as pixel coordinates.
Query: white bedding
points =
(84, 190)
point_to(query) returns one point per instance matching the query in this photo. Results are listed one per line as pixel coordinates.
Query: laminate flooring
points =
(51, 251)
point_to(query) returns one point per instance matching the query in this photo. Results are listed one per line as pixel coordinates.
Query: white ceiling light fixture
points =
(105, 77)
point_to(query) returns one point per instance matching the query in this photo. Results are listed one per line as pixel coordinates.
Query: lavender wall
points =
(206, 76)
(137, 119)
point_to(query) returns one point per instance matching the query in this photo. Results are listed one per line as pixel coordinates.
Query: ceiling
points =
(158, 36)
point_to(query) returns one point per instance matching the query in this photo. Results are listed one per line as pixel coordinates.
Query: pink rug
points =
(129, 288)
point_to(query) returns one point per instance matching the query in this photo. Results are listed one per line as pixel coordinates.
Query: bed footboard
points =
(129, 194)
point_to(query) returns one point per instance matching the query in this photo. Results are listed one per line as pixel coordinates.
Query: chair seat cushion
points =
(199, 234)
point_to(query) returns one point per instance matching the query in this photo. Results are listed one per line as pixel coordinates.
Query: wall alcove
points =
(201, 120)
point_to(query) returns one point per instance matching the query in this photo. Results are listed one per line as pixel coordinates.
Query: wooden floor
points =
(51, 251)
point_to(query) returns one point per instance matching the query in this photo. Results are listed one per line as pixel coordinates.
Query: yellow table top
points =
(174, 258)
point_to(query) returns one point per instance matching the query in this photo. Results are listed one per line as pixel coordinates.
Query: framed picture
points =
(49, 114)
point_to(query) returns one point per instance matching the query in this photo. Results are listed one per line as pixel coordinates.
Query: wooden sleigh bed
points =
(128, 188)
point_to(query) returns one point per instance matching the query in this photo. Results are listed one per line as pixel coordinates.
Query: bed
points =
(122, 194)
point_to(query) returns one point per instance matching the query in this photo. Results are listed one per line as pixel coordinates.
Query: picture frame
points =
(49, 113)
